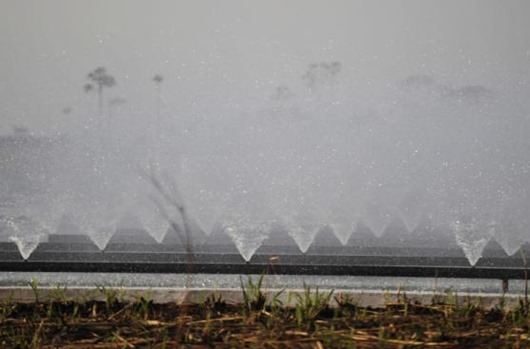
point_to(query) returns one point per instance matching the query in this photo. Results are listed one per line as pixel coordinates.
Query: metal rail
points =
(211, 260)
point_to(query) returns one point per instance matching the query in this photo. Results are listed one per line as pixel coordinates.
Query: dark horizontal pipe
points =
(137, 262)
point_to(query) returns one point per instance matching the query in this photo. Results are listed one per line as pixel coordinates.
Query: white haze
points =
(303, 115)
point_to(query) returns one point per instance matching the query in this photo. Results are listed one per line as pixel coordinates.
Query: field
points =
(308, 319)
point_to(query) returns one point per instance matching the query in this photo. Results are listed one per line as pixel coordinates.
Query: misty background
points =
(236, 52)
(303, 117)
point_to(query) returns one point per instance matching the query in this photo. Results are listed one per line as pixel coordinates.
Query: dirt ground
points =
(310, 319)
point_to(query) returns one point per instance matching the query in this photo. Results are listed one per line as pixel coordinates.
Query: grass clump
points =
(253, 297)
(310, 305)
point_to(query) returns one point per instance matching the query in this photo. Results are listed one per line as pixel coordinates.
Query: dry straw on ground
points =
(313, 319)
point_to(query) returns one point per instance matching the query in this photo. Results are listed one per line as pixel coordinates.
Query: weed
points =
(214, 304)
(7, 307)
(347, 303)
(17, 338)
(469, 309)
(143, 305)
(253, 296)
(276, 302)
(57, 299)
(34, 284)
(519, 315)
(310, 305)
(58, 294)
(75, 311)
(111, 296)
(448, 298)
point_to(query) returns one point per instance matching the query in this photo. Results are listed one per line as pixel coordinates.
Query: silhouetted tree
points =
(158, 79)
(321, 73)
(282, 93)
(99, 80)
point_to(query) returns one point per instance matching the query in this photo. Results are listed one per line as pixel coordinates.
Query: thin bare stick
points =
(169, 192)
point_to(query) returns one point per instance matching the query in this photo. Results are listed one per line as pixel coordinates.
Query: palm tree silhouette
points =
(99, 79)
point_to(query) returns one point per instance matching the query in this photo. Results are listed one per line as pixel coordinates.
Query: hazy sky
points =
(241, 49)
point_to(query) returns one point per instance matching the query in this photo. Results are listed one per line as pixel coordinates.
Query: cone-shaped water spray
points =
(303, 235)
(100, 236)
(472, 237)
(26, 245)
(26, 234)
(246, 238)
(343, 231)
(154, 222)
